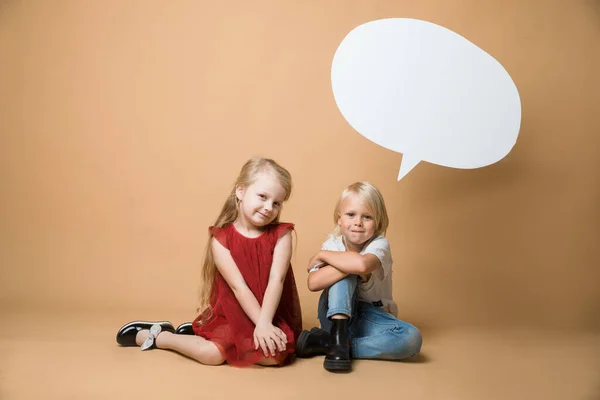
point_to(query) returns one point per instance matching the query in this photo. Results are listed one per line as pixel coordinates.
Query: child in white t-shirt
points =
(357, 312)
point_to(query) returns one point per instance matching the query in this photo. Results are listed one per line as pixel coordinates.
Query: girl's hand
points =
(269, 338)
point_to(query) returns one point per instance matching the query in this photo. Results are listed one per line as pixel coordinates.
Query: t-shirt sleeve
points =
(220, 234)
(328, 245)
(380, 248)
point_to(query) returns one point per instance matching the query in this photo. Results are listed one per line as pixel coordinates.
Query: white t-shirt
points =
(378, 289)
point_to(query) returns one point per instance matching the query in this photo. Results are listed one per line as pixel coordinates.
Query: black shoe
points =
(338, 356)
(185, 329)
(313, 343)
(127, 333)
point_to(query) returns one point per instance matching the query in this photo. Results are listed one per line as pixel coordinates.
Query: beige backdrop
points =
(123, 125)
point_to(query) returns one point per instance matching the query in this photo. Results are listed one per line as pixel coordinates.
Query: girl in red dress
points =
(249, 308)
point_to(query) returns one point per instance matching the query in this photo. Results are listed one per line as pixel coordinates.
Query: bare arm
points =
(281, 262)
(349, 262)
(324, 277)
(235, 280)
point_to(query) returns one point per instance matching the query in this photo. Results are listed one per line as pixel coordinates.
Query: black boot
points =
(313, 343)
(185, 329)
(338, 356)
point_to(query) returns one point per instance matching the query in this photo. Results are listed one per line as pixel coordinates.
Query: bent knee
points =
(407, 341)
(412, 340)
(213, 359)
(416, 340)
(350, 281)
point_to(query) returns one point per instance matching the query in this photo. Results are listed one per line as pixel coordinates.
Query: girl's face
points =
(260, 202)
(356, 223)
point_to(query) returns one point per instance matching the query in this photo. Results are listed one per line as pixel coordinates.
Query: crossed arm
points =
(262, 317)
(339, 264)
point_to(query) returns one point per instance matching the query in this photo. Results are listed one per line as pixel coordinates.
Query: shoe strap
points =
(149, 342)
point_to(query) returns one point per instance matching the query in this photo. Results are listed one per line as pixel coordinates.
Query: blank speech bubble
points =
(422, 90)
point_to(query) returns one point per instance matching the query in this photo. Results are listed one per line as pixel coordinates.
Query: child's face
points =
(261, 202)
(356, 222)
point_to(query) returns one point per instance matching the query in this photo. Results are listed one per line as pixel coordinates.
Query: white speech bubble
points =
(423, 90)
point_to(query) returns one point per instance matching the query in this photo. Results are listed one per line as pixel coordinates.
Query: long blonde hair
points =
(372, 199)
(229, 213)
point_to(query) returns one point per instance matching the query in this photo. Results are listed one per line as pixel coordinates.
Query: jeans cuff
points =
(333, 311)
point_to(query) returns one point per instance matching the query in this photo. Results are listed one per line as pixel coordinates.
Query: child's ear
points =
(339, 218)
(239, 192)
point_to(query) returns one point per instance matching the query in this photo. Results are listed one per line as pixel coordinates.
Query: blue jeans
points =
(374, 333)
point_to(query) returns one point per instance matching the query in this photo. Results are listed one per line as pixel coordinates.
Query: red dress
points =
(229, 327)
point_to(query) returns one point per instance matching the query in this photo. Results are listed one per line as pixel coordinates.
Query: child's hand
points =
(269, 338)
(315, 262)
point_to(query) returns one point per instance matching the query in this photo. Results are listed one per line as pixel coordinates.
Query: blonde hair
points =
(229, 213)
(372, 199)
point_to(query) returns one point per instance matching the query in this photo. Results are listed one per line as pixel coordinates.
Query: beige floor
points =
(74, 356)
